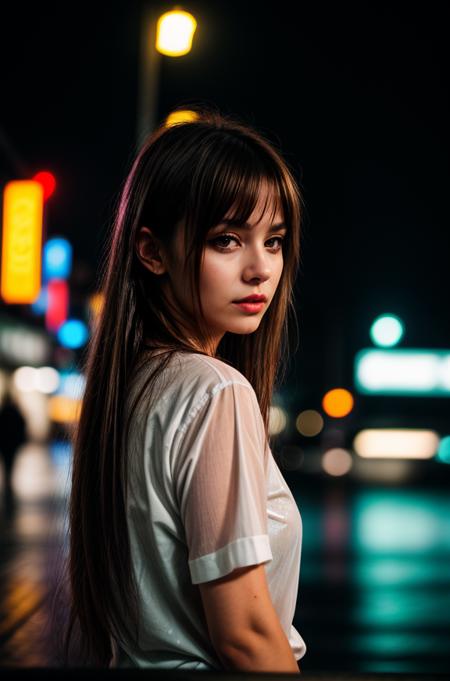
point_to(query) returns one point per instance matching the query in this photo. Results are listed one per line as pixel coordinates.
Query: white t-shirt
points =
(205, 497)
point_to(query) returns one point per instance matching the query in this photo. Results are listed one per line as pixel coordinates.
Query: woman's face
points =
(237, 262)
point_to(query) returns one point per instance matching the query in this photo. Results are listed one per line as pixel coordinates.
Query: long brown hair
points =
(193, 172)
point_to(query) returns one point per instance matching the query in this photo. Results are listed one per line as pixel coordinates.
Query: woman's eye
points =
(223, 238)
(278, 238)
(228, 237)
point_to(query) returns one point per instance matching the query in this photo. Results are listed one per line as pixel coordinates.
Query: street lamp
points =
(180, 116)
(174, 33)
(170, 34)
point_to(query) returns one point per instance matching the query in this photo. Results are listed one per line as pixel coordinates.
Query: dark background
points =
(355, 95)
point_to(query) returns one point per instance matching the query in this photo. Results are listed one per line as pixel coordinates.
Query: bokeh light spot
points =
(309, 423)
(338, 402)
(336, 462)
(48, 182)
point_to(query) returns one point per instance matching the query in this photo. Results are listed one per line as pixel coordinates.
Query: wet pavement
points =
(374, 597)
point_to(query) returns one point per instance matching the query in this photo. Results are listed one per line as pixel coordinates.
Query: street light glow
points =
(174, 33)
(411, 371)
(181, 116)
(396, 443)
(387, 330)
(338, 402)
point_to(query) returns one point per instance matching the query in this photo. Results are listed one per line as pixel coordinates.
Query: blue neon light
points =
(57, 259)
(73, 333)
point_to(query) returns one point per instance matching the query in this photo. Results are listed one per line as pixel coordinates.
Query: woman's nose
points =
(257, 264)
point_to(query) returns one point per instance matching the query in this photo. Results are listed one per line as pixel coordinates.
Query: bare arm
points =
(262, 654)
(243, 624)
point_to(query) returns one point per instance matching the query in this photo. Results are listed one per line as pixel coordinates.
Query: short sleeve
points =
(221, 484)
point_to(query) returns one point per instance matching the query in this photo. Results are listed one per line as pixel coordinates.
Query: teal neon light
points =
(402, 372)
(387, 330)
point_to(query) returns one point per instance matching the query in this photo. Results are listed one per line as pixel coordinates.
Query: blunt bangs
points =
(228, 181)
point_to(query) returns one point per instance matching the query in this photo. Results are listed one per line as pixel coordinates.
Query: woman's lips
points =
(250, 307)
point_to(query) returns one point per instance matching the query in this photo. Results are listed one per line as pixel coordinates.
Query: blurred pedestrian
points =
(12, 436)
(184, 536)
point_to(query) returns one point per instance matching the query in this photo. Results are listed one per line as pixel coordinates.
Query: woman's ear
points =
(149, 251)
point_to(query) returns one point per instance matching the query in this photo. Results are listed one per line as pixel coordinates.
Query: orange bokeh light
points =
(338, 402)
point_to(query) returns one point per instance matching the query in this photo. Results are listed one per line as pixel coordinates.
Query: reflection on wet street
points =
(32, 545)
(374, 581)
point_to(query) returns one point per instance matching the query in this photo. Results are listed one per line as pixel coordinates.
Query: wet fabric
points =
(205, 496)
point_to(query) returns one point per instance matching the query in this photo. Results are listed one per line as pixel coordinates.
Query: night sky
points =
(355, 95)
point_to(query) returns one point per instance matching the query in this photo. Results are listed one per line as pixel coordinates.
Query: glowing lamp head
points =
(181, 116)
(174, 33)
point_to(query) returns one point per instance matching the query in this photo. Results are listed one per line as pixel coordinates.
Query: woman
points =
(184, 537)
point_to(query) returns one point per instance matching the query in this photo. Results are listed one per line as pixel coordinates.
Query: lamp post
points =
(170, 34)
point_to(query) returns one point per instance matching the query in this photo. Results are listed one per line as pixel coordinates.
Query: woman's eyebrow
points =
(246, 225)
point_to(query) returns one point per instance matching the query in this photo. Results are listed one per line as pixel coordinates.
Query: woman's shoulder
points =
(213, 369)
(189, 379)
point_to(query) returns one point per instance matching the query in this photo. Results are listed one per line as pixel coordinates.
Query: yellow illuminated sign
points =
(23, 204)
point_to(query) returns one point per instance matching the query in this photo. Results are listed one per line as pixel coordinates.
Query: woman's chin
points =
(245, 326)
